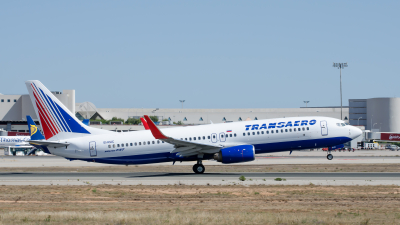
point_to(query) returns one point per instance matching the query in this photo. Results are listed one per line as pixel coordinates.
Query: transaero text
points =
(281, 124)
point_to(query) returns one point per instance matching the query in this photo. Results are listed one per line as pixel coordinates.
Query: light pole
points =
(340, 66)
(306, 102)
(182, 101)
(373, 126)
(359, 121)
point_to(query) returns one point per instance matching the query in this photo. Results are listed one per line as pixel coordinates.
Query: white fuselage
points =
(6, 141)
(140, 147)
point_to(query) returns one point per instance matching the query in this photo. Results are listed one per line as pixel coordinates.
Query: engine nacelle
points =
(236, 154)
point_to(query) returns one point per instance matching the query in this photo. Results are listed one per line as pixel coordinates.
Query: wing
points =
(183, 148)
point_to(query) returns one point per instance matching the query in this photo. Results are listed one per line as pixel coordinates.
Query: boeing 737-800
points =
(233, 142)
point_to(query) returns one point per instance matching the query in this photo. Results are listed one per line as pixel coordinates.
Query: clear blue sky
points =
(213, 54)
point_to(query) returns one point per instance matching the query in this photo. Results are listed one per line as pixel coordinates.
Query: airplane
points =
(8, 141)
(234, 142)
(36, 135)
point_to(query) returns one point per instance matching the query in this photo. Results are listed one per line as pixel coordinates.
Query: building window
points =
(224, 119)
(255, 118)
(184, 119)
(201, 119)
(15, 100)
(240, 118)
(169, 118)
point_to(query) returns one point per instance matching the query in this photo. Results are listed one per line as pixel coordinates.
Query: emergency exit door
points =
(324, 128)
(92, 149)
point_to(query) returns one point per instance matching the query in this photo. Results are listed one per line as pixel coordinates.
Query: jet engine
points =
(236, 154)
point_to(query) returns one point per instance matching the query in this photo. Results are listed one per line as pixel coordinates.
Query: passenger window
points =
(144, 143)
(135, 143)
(267, 132)
(140, 143)
(204, 138)
(290, 129)
(126, 145)
(109, 146)
(244, 134)
(199, 138)
(343, 124)
(131, 144)
(258, 132)
(294, 129)
(234, 134)
(153, 142)
(303, 129)
(162, 141)
(222, 136)
(308, 128)
(227, 135)
(230, 135)
(122, 145)
(190, 139)
(285, 130)
(113, 145)
(148, 142)
(208, 137)
(262, 132)
(214, 136)
(185, 139)
(118, 145)
(254, 133)
(272, 131)
(194, 138)
(158, 142)
(281, 130)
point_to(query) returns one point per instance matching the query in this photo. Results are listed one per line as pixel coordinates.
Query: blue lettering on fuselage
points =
(281, 124)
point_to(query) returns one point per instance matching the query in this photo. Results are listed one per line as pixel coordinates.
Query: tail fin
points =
(56, 120)
(33, 130)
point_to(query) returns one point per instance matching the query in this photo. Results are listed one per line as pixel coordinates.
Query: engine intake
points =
(236, 154)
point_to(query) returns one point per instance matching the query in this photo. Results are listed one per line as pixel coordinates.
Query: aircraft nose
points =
(356, 132)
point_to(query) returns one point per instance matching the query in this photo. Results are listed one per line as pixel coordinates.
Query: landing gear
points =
(329, 156)
(198, 168)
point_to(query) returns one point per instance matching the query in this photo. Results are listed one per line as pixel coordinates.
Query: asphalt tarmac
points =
(158, 178)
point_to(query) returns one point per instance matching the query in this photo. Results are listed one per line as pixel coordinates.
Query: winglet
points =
(154, 129)
(146, 126)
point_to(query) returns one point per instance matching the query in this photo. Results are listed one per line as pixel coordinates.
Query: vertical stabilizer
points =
(56, 120)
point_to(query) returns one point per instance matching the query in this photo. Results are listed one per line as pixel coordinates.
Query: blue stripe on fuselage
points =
(259, 148)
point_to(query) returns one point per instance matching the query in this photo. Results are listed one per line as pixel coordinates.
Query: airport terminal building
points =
(376, 114)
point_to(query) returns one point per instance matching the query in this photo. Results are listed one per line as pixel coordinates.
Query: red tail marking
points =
(154, 130)
(45, 118)
(146, 126)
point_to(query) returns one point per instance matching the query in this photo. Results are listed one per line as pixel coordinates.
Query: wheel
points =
(329, 156)
(199, 168)
(195, 167)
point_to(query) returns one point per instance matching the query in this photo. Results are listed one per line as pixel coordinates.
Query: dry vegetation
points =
(219, 168)
(182, 204)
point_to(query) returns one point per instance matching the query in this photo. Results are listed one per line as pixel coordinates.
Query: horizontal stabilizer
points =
(54, 144)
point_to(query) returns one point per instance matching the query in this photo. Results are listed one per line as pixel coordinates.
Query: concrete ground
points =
(223, 178)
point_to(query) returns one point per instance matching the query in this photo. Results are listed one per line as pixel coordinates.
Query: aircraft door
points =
(324, 128)
(213, 138)
(222, 137)
(92, 149)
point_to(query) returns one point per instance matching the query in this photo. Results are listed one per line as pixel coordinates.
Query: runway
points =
(158, 178)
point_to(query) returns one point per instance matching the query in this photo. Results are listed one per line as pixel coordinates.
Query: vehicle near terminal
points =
(18, 150)
(234, 142)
